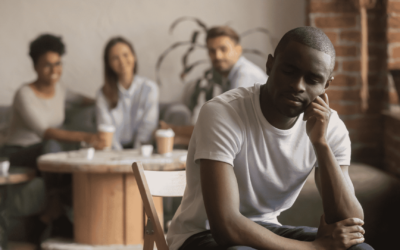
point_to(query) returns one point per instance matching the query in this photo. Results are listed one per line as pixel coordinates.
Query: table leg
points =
(108, 209)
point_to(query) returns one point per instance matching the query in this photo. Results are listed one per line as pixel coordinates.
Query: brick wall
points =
(392, 143)
(340, 20)
(392, 120)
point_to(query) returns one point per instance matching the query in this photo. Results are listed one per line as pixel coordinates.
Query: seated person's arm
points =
(228, 226)
(32, 118)
(74, 136)
(336, 189)
(333, 181)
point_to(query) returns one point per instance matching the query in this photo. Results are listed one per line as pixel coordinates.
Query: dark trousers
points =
(27, 156)
(205, 240)
(23, 156)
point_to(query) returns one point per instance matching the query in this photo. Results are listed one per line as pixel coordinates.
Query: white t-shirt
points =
(271, 165)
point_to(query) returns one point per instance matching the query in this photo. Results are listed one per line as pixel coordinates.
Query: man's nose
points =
(218, 54)
(298, 85)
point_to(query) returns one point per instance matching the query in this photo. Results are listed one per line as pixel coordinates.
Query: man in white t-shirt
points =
(252, 150)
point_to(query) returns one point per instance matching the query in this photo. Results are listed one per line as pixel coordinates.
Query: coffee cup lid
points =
(165, 133)
(106, 128)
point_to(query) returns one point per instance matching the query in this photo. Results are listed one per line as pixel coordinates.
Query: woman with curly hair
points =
(38, 107)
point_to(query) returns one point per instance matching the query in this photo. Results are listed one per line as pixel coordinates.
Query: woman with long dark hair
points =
(126, 101)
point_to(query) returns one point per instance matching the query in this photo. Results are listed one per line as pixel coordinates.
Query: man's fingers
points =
(352, 222)
(356, 241)
(325, 98)
(310, 111)
(322, 101)
(356, 229)
(356, 235)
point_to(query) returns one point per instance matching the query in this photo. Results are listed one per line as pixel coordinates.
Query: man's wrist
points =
(320, 143)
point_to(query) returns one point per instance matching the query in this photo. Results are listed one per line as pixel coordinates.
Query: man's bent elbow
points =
(222, 238)
(225, 235)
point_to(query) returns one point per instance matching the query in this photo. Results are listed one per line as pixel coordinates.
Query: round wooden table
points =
(108, 209)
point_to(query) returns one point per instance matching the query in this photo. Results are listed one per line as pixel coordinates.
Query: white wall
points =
(86, 25)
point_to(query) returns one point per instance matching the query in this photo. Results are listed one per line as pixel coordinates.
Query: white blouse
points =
(136, 115)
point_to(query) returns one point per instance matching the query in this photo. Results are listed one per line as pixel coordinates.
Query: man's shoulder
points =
(240, 94)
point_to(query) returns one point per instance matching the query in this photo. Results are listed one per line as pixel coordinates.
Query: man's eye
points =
(312, 81)
(288, 71)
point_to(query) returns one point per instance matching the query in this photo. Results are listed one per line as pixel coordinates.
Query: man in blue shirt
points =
(230, 69)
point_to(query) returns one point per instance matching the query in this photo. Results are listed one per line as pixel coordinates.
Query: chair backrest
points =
(157, 183)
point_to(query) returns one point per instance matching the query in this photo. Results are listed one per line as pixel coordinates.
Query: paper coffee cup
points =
(165, 141)
(106, 132)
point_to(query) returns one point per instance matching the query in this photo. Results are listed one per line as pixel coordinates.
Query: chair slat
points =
(166, 183)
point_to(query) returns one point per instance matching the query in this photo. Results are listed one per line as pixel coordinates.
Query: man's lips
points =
(293, 100)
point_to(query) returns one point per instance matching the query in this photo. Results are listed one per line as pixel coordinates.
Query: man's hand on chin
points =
(317, 115)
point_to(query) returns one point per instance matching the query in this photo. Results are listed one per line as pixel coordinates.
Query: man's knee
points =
(362, 246)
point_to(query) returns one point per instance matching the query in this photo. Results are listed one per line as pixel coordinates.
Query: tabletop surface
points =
(110, 161)
(18, 175)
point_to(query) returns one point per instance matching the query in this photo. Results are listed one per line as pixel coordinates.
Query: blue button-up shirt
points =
(136, 115)
(243, 74)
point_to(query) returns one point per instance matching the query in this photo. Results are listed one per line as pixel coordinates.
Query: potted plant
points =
(203, 86)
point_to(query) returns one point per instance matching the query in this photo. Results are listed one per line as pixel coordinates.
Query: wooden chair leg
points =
(149, 242)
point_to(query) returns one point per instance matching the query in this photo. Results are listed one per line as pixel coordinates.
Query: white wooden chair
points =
(162, 184)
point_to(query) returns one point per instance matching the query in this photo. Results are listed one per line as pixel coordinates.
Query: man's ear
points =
(270, 64)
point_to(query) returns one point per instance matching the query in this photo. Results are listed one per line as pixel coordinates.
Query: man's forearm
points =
(336, 189)
(243, 232)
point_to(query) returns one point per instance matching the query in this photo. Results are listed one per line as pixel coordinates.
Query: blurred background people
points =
(38, 108)
(127, 101)
(230, 69)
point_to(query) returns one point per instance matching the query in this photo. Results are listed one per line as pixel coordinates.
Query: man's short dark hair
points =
(223, 31)
(45, 43)
(311, 37)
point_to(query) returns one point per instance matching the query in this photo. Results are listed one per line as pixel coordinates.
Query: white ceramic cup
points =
(4, 167)
(146, 150)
